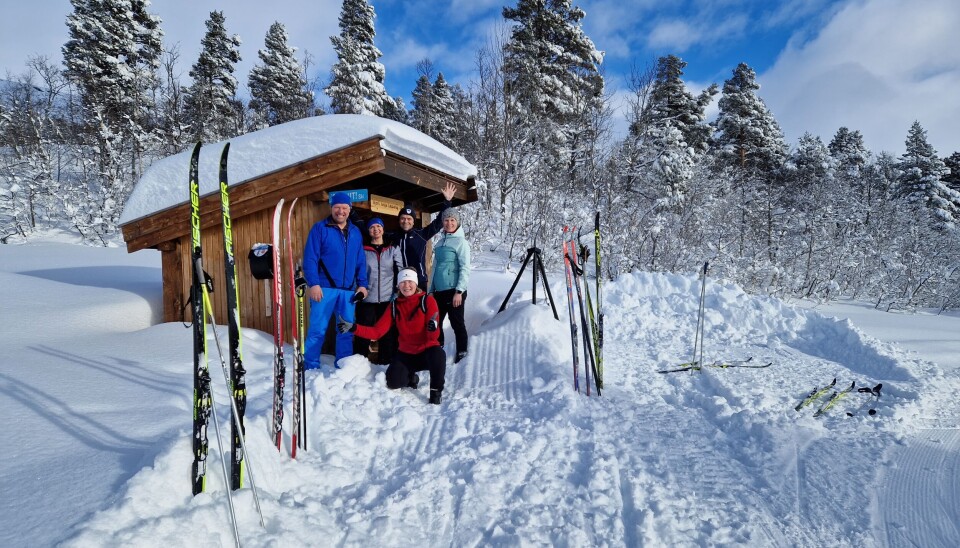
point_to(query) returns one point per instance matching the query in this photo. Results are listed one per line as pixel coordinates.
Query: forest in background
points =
(822, 219)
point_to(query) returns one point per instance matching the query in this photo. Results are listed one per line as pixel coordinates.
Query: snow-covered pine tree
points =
(552, 66)
(465, 122)
(852, 157)
(554, 89)
(444, 128)
(210, 104)
(749, 142)
(920, 179)
(747, 135)
(421, 115)
(851, 154)
(952, 179)
(356, 84)
(112, 57)
(278, 87)
(670, 100)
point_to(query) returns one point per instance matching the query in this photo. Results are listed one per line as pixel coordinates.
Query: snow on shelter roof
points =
(164, 184)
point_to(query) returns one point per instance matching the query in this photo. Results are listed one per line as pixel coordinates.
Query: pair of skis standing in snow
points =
(201, 287)
(592, 331)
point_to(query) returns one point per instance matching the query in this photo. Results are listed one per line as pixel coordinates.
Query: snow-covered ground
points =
(96, 398)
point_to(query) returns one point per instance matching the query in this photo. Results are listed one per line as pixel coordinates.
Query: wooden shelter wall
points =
(255, 295)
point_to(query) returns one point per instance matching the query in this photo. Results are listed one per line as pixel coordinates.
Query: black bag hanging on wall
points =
(261, 261)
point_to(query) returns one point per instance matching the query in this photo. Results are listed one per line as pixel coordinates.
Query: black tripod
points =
(538, 274)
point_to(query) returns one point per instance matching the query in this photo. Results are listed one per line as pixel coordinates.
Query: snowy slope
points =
(98, 399)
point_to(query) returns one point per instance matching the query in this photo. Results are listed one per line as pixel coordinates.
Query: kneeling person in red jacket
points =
(415, 315)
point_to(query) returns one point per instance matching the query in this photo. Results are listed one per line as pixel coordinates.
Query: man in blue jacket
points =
(413, 241)
(335, 268)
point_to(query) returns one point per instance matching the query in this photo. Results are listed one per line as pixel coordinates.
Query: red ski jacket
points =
(410, 315)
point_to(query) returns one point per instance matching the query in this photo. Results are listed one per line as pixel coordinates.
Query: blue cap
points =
(340, 198)
(374, 221)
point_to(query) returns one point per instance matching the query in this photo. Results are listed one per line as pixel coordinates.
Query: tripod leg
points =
(503, 305)
(538, 264)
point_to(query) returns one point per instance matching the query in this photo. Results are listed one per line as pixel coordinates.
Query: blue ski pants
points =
(335, 302)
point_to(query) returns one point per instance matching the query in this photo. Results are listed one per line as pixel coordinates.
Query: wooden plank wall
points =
(254, 294)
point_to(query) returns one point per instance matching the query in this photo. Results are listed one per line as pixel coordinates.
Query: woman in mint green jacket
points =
(451, 274)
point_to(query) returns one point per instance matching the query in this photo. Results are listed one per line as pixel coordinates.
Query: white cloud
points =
(680, 35)
(876, 66)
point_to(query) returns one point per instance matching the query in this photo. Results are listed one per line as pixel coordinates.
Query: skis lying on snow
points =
(875, 392)
(815, 395)
(695, 366)
(747, 363)
(834, 398)
(695, 363)
(689, 366)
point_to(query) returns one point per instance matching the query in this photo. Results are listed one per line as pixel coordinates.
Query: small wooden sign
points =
(381, 204)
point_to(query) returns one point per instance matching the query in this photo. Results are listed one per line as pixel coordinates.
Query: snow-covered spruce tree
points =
(952, 179)
(749, 142)
(112, 57)
(670, 101)
(444, 128)
(851, 154)
(747, 136)
(278, 88)
(920, 179)
(552, 66)
(210, 104)
(555, 93)
(811, 250)
(421, 115)
(356, 83)
(849, 151)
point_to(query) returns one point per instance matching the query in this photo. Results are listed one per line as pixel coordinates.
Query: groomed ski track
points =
(515, 457)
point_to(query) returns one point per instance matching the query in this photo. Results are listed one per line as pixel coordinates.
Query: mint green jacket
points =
(451, 262)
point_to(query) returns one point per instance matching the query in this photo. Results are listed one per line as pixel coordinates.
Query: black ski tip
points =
(872, 412)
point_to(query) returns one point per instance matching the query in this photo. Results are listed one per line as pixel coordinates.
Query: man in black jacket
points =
(413, 241)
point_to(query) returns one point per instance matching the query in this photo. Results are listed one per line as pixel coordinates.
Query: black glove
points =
(344, 326)
(432, 324)
(357, 297)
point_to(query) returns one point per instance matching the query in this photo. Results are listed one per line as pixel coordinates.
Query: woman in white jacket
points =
(451, 274)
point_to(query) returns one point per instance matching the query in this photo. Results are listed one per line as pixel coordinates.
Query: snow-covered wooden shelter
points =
(383, 163)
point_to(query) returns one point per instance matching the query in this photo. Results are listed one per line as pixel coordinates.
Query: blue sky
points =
(871, 65)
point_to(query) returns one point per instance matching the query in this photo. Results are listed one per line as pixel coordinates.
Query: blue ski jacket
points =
(333, 257)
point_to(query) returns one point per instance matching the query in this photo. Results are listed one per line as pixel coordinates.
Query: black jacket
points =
(413, 246)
